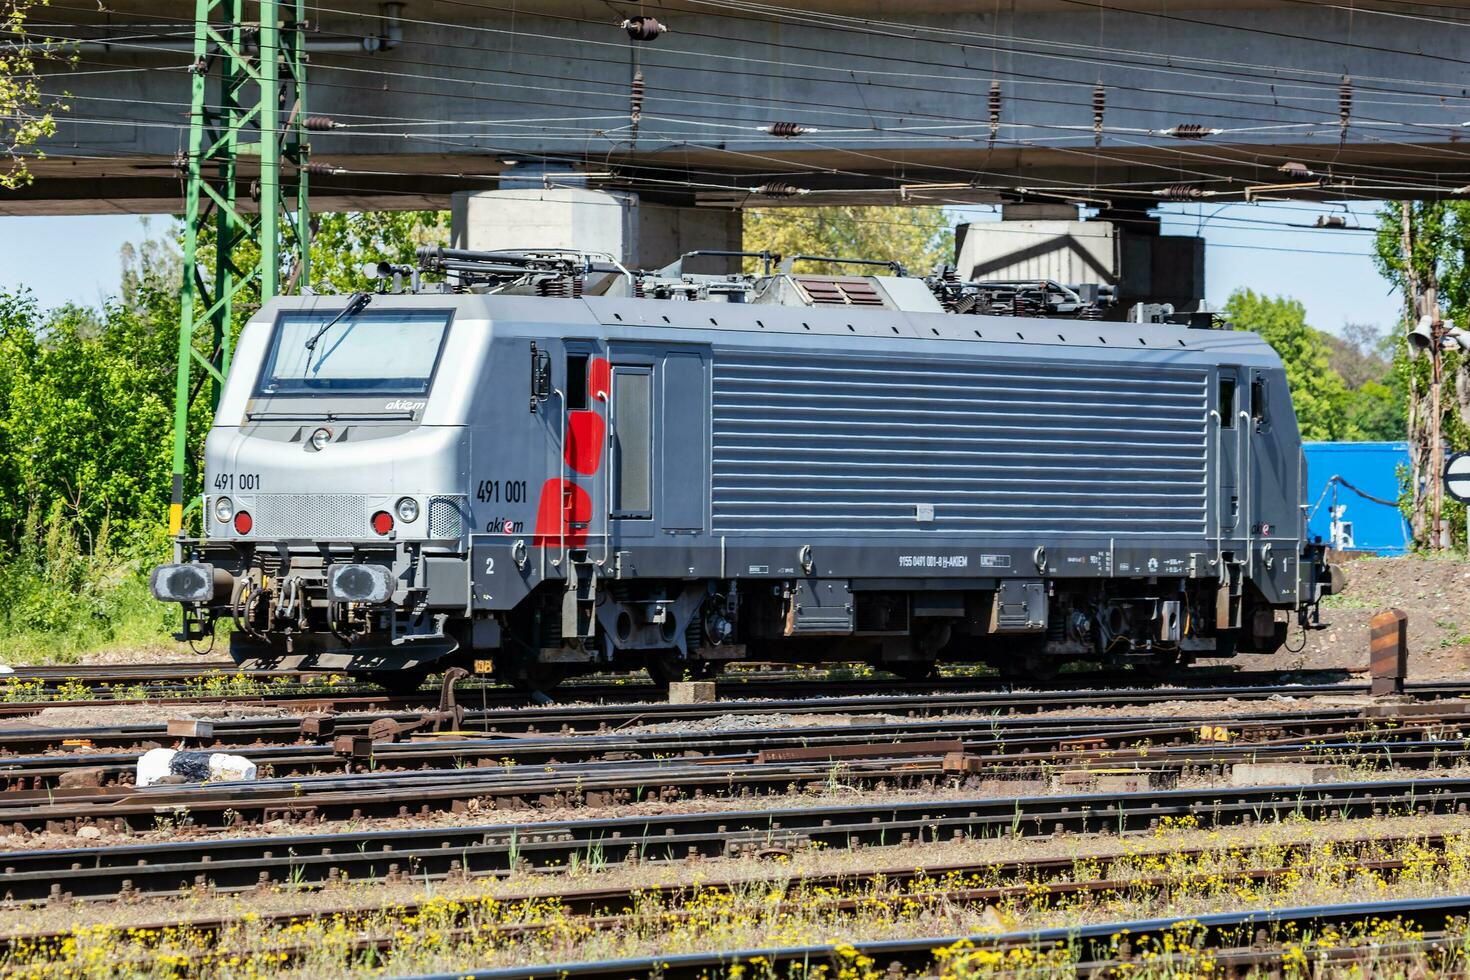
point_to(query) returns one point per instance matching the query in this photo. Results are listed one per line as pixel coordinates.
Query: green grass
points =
(59, 602)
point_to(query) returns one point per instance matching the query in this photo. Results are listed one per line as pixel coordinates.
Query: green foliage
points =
(86, 411)
(919, 238)
(58, 599)
(27, 115)
(1317, 391)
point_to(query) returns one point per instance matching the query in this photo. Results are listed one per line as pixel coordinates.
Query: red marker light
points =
(382, 522)
(243, 523)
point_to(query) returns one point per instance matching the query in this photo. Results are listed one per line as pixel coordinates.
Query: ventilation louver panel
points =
(825, 443)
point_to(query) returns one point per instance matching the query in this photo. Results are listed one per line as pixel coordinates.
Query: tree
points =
(1317, 391)
(27, 114)
(917, 237)
(1424, 250)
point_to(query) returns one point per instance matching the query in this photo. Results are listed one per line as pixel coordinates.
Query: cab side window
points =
(576, 382)
(1259, 414)
(1226, 405)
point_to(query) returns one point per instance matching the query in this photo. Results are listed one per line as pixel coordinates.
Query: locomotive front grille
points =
(446, 516)
(310, 515)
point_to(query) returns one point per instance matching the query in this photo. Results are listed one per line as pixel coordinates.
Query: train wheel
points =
(399, 682)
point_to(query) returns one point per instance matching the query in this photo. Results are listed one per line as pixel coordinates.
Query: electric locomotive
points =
(543, 463)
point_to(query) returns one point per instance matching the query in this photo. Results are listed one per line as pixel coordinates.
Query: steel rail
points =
(998, 735)
(379, 794)
(1086, 948)
(850, 898)
(1052, 876)
(568, 719)
(245, 862)
(554, 765)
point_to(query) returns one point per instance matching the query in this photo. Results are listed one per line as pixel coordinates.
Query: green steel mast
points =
(248, 100)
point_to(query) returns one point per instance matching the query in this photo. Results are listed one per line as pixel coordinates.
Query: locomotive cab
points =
(335, 516)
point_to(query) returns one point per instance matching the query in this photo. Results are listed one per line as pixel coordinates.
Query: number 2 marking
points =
(489, 566)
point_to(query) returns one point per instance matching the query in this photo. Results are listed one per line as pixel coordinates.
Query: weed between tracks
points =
(774, 904)
(219, 685)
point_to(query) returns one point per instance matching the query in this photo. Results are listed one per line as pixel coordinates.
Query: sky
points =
(75, 259)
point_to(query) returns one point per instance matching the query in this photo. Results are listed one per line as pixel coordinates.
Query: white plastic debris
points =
(154, 765)
(6, 670)
(224, 767)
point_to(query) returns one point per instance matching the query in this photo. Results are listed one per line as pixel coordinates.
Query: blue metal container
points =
(1343, 480)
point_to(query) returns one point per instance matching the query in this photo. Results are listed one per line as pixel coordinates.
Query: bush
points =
(59, 600)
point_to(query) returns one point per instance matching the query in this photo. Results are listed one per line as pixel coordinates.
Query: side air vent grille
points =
(447, 517)
(848, 444)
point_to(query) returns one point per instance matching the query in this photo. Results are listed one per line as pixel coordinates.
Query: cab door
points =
(1230, 440)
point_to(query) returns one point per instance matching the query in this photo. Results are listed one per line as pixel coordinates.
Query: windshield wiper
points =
(356, 303)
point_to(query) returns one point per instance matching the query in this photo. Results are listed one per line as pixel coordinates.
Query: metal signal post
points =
(248, 101)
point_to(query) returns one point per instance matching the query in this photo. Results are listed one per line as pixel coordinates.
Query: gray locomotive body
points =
(535, 486)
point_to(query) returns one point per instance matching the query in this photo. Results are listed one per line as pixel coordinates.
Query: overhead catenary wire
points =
(1206, 175)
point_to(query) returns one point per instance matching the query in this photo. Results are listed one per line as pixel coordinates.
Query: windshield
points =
(374, 352)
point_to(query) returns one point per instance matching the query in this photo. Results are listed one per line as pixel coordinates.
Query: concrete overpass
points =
(895, 98)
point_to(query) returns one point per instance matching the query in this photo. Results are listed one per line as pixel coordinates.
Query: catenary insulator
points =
(1189, 131)
(320, 124)
(322, 169)
(995, 102)
(635, 101)
(1294, 169)
(643, 28)
(1344, 103)
(777, 188)
(1099, 108)
(1180, 192)
(786, 130)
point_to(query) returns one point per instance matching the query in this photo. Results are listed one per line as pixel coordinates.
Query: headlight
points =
(320, 438)
(408, 509)
(224, 509)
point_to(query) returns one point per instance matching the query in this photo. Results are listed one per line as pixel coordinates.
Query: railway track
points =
(1020, 739)
(1039, 881)
(1233, 940)
(25, 693)
(237, 864)
(592, 718)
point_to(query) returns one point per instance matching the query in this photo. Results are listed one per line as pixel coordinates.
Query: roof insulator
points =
(785, 130)
(321, 124)
(1189, 131)
(778, 188)
(642, 28)
(1331, 221)
(1294, 169)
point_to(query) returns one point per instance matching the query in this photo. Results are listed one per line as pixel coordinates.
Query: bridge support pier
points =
(636, 233)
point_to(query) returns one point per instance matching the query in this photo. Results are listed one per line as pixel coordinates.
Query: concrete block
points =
(692, 692)
(1285, 774)
(1115, 781)
(190, 728)
(88, 777)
